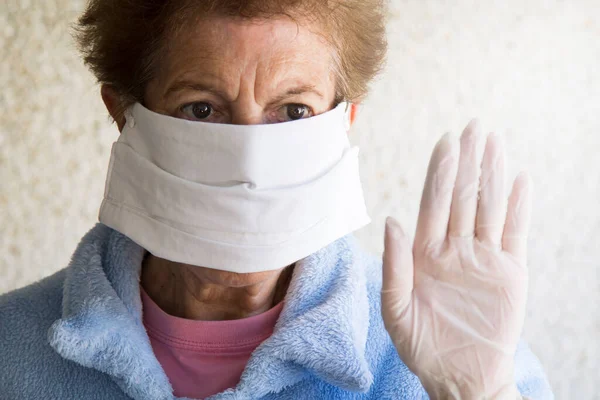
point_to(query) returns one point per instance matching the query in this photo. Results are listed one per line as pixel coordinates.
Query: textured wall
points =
(527, 71)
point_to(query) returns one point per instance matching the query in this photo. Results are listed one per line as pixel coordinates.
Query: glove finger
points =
(398, 273)
(518, 218)
(464, 198)
(434, 212)
(491, 210)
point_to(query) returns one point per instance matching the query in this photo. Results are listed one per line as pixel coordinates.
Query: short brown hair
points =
(122, 40)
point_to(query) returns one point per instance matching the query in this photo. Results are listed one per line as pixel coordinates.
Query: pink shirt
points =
(202, 358)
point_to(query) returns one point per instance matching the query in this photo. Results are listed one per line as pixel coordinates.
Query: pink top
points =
(202, 358)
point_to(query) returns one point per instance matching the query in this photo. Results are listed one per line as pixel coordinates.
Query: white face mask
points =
(239, 198)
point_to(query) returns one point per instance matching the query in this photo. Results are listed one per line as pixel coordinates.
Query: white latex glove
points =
(454, 303)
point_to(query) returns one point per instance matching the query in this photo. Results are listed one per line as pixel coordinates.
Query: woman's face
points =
(231, 71)
(226, 70)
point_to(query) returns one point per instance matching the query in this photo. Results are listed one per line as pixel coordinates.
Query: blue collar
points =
(321, 330)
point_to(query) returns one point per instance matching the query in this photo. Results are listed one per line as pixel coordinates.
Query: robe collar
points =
(321, 330)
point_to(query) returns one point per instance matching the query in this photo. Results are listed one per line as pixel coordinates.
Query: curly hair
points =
(122, 41)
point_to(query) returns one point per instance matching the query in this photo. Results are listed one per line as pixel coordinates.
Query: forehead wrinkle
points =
(276, 66)
(205, 76)
(269, 68)
(238, 57)
(207, 66)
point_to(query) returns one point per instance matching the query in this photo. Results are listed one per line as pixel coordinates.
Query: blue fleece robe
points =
(78, 334)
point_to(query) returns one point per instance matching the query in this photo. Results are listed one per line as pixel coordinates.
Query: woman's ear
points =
(112, 102)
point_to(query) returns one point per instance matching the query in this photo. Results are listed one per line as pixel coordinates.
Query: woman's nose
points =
(246, 111)
(247, 118)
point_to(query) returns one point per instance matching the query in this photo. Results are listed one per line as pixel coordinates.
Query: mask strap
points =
(129, 120)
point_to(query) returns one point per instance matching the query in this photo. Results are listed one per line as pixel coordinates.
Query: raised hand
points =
(454, 302)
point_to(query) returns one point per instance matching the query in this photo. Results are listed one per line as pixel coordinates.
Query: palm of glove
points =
(454, 303)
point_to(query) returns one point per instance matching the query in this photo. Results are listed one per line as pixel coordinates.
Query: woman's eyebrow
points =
(297, 91)
(196, 86)
(200, 87)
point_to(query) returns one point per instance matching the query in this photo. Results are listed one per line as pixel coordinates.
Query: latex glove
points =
(454, 303)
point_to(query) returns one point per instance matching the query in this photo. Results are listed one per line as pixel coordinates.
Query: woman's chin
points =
(233, 279)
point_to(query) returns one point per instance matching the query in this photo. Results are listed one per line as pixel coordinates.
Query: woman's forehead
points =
(224, 49)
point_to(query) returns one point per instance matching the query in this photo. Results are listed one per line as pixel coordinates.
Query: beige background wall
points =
(528, 71)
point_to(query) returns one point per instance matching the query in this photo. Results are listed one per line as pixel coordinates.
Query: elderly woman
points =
(224, 265)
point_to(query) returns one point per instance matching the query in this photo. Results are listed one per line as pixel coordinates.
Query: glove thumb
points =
(398, 266)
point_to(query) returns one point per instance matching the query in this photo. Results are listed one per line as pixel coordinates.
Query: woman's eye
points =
(296, 111)
(197, 111)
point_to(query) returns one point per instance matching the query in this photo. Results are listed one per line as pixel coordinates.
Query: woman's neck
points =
(208, 294)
